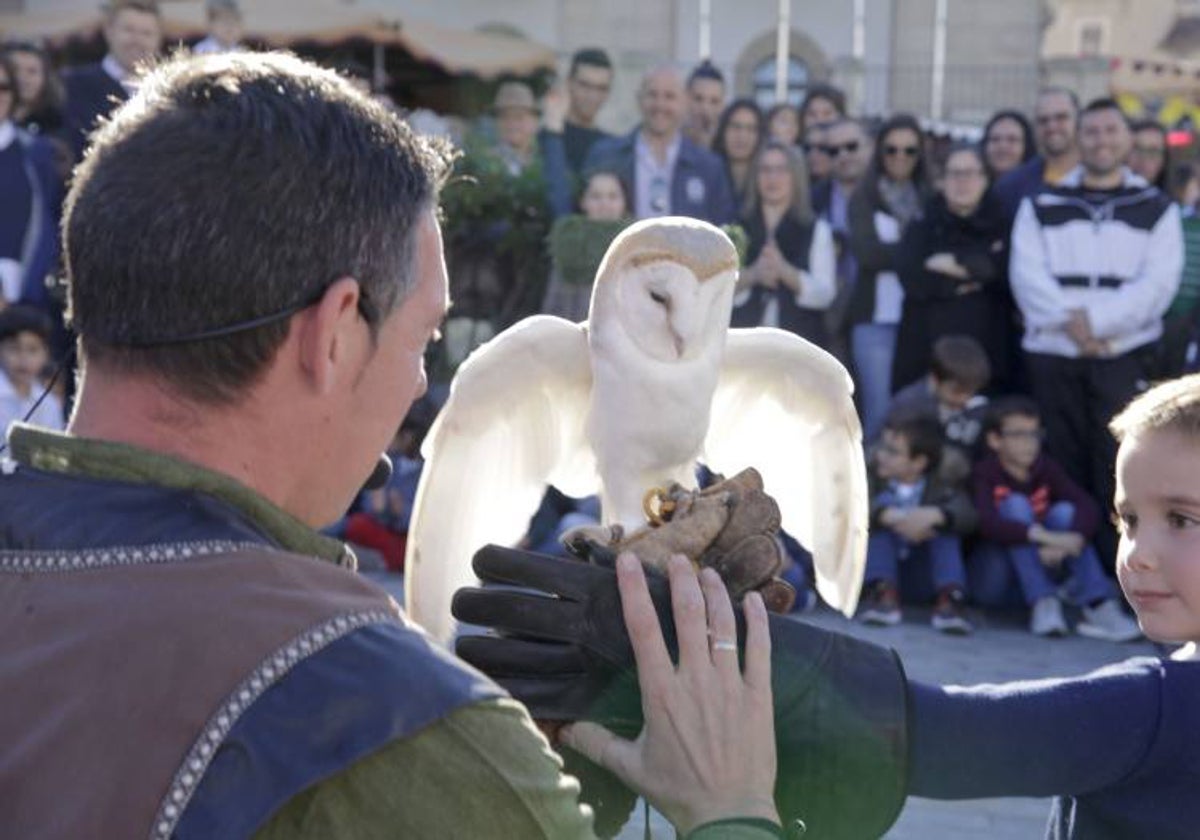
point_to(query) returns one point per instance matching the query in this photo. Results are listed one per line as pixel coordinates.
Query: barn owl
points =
(631, 399)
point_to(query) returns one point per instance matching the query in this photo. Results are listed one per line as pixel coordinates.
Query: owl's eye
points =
(658, 298)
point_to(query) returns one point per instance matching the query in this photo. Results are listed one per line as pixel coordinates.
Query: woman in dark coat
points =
(952, 265)
(889, 198)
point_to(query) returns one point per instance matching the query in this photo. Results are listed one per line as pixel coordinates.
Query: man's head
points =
(133, 30)
(516, 111)
(661, 100)
(245, 204)
(588, 84)
(1013, 430)
(24, 346)
(225, 22)
(706, 99)
(1054, 116)
(847, 145)
(960, 369)
(1104, 137)
(910, 447)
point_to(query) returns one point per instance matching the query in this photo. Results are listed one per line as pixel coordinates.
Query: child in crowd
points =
(1035, 523)
(24, 354)
(578, 242)
(918, 521)
(959, 370)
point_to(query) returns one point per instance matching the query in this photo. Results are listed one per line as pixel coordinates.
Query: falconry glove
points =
(563, 650)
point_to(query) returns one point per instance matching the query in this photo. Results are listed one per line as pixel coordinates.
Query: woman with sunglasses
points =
(891, 195)
(952, 267)
(31, 194)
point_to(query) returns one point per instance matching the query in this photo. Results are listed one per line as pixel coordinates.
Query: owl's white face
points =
(669, 314)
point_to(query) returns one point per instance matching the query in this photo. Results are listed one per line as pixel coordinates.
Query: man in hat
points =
(133, 32)
(517, 115)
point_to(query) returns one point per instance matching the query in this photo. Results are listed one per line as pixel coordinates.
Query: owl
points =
(652, 383)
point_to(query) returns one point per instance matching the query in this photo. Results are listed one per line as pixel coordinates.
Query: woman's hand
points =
(707, 749)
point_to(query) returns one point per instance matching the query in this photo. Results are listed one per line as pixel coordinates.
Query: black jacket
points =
(937, 304)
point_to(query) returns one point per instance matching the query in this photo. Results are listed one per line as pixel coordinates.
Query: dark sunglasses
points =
(847, 148)
(908, 151)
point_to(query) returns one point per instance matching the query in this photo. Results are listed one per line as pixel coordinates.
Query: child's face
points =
(894, 461)
(603, 199)
(23, 357)
(1158, 509)
(1019, 441)
(952, 395)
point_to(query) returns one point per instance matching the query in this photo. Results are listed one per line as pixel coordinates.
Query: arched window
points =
(764, 81)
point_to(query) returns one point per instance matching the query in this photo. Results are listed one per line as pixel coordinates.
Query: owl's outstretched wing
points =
(785, 407)
(513, 423)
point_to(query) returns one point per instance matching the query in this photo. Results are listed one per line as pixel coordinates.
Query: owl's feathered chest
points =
(650, 414)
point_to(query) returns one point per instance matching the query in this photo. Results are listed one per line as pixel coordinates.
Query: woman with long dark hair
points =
(740, 131)
(1007, 142)
(789, 280)
(891, 195)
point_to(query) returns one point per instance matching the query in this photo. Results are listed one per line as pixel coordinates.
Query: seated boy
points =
(918, 520)
(24, 353)
(958, 371)
(1035, 523)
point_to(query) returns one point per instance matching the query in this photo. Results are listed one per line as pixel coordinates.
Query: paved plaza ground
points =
(1001, 649)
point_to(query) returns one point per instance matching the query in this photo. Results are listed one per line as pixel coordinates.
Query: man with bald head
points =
(666, 173)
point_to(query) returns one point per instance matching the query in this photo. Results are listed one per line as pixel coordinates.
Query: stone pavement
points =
(1001, 649)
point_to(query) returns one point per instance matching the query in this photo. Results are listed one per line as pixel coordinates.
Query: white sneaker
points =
(1109, 622)
(1047, 618)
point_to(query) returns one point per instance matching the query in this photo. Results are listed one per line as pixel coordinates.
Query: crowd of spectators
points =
(1005, 298)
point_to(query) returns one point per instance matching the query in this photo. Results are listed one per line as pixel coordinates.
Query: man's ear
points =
(331, 339)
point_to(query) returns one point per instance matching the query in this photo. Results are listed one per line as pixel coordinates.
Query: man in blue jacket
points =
(667, 174)
(1056, 115)
(133, 32)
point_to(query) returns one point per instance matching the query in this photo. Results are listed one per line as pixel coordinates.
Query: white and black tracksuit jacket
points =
(1118, 254)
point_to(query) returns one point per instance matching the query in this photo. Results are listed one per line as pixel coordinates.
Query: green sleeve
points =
(483, 771)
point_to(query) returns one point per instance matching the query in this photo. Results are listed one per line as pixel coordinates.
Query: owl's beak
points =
(680, 344)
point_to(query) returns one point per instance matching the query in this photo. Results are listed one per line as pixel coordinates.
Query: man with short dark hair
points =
(256, 270)
(133, 32)
(667, 173)
(1095, 264)
(1055, 117)
(589, 83)
(706, 100)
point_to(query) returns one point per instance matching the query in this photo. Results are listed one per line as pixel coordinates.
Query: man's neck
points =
(1103, 180)
(579, 121)
(659, 145)
(210, 437)
(847, 186)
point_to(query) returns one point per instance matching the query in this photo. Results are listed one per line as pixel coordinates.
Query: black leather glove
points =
(840, 703)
